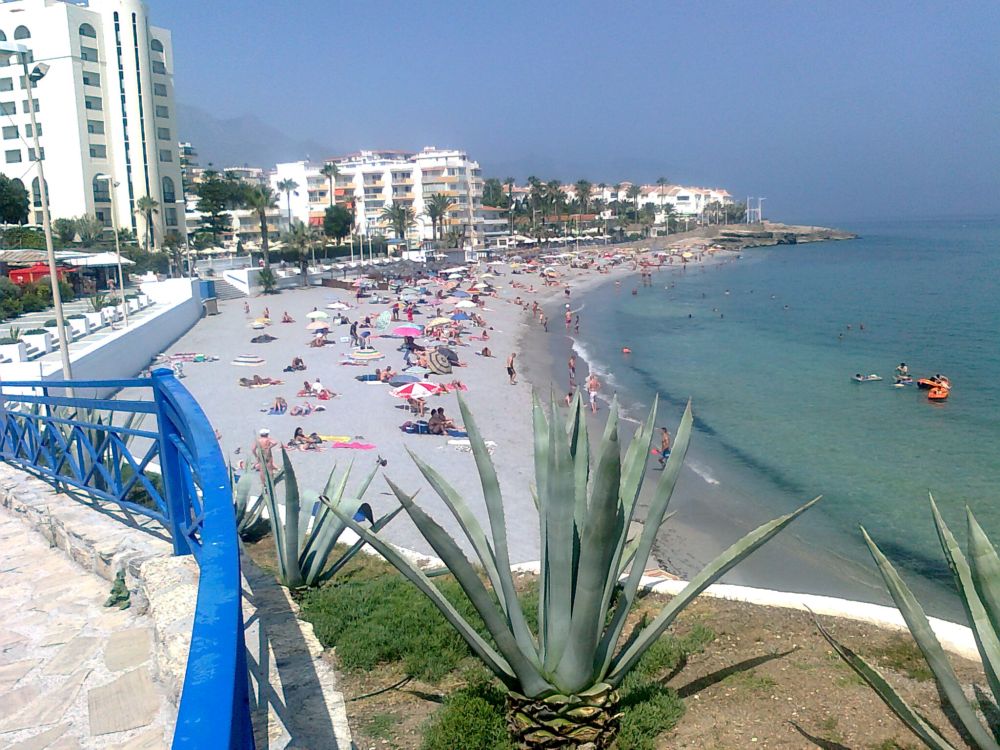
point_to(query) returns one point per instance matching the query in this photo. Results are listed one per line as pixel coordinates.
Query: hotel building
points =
(104, 107)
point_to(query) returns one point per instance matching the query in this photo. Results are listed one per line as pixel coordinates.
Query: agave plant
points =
(978, 582)
(307, 525)
(249, 508)
(562, 682)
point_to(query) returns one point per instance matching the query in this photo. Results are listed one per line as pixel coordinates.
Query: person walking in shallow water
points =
(511, 372)
(593, 386)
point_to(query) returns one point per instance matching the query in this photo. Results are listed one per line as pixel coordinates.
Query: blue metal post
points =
(174, 486)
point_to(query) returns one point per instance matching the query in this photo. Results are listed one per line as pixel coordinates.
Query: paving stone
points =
(19, 698)
(11, 673)
(41, 741)
(49, 707)
(59, 636)
(153, 739)
(129, 702)
(127, 649)
(73, 655)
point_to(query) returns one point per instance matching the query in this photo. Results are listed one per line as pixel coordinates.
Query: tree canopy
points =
(13, 201)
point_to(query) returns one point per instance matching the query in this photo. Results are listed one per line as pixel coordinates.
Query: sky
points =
(831, 110)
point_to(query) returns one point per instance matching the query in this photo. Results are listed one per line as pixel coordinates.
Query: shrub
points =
(4, 341)
(472, 719)
(76, 316)
(35, 331)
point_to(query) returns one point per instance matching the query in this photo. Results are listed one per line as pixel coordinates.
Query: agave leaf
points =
(985, 571)
(982, 628)
(540, 427)
(597, 565)
(467, 520)
(493, 660)
(274, 516)
(579, 445)
(521, 656)
(916, 723)
(929, 645)
(654, 517)
(558, 506)
(290, 549)
(624, 661)
(498, 526)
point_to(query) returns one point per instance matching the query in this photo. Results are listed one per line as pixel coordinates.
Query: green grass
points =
(381, 726)
(903, 656)
(749, 681)
(472, 718)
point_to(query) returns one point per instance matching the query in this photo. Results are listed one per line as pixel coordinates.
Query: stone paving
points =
(73, 673)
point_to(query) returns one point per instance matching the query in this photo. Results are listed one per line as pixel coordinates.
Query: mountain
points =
(234, 142)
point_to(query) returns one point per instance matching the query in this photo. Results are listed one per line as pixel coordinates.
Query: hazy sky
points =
(831, 110)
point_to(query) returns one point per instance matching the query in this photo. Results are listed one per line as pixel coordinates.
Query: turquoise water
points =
(763, 348)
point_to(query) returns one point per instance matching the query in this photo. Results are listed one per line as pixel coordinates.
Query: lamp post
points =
(118, 250)
(30, 78)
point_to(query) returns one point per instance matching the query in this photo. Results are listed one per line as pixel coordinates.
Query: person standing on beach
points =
(265, 447)
(511, 372)
(593, 386)
(571, 365)
(664, 446)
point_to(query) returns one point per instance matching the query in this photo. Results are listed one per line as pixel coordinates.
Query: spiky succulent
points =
(584, 518)
(978, 582)
(307, 525)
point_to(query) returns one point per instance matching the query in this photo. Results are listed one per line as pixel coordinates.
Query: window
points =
(91, 79)
(93, 103)
(3, 37)
(13, 156)
(104, 217)
(95, 127)
(9, 132)
(159, 67)
(8, 108)
(87, 30)
(24, 106)
(21, 32)
(88, 54)
(28, 132)
(170, 215)
(163, 134)
(162, 111)
(102, 192)
(24, 82)
(169, 195)
(31, 154)
(97, 151)
(160, 89)
(156, 45)
(166, 154)
(6, 84)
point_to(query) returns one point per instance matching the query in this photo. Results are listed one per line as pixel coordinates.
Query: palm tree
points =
(661, 182)
(492, 192)
(510, 200)
(287, 187)
(146, 207)
(536, 197)
(583, 189)
(634, 191)
(299, 238)
(262, 199)
(618, 190)
(437, 210)
(400, 217)
(330, 171)
(553, 191)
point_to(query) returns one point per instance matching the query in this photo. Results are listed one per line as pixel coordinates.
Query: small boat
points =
(902, 382)
(859, 378)
(938, 393)
(936, 381)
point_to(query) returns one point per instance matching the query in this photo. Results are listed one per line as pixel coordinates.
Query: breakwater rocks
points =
(740, 237)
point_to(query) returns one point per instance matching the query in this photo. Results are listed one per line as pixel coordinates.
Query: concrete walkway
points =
(73, 673)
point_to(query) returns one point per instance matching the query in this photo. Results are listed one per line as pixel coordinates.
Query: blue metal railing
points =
(105, 448)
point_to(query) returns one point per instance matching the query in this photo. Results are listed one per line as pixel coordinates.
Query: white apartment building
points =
(371, 180)
(105, 106)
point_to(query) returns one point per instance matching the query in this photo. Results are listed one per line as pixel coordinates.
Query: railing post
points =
(174, 487)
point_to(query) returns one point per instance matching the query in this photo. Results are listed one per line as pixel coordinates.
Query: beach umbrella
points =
(460, 293)
(465, 303)
(460, 316)
(318, 325)
(438, 322)
(399, 380)
(407, 331)
(420, 389)
(338, 306)
(383, 320)
(439, 362)
(316, 315)
(449, 353)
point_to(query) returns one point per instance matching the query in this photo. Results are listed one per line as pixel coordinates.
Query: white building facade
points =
(368, 181)
(105, 107)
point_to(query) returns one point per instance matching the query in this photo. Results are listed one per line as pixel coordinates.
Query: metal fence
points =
(155, 457)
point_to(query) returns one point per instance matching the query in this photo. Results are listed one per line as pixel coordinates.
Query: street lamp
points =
(30, 78)
(118, 250)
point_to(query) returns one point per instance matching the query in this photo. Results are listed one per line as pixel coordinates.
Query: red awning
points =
(36, 272)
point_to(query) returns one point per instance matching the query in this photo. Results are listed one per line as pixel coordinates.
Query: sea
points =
(765, 345)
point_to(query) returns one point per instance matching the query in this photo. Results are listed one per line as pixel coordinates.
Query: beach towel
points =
(355, 446)
(455, 386)
(248, 360)
(337, 438)
(368, 378)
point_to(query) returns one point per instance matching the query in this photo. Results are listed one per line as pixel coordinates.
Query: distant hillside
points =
(242, 140)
